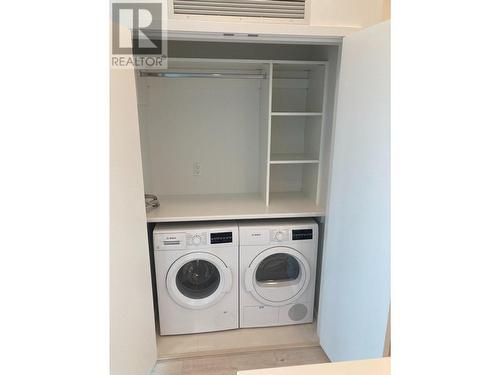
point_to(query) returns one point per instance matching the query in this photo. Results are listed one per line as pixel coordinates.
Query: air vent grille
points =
(294, 9)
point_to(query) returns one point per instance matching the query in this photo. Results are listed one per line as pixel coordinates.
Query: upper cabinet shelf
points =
(233, 139)
(232, 207)
(296, 113)
(293, 159)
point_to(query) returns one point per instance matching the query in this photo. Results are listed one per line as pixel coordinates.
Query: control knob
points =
(196, 240)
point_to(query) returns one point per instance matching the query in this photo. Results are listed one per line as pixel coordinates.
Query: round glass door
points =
(198, 280)
(277, 276)
(277, 268)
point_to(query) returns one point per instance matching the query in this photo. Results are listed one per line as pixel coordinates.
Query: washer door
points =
(198, 280)
(277, 276)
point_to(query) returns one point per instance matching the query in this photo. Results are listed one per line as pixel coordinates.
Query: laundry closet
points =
(257, 132)
(236, 131)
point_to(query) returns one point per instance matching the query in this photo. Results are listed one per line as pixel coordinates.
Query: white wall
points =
(132, 331)
(355, 286)
(326, 18)
(360, 13)
(201, 120)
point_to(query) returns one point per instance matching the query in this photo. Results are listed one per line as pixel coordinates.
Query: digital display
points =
(222, 237)
(302, 234)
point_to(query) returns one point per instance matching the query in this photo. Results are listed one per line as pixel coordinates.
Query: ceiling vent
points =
(292, 9)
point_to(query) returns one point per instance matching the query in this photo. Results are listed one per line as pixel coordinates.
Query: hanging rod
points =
(201, 75)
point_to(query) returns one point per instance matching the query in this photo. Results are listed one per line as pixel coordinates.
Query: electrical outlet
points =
(196, 168)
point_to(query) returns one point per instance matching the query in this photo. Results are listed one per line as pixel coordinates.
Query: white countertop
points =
(379, 366)
(232, 207)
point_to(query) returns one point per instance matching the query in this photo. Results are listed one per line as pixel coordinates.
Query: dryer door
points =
(277, 276)
(198, 280)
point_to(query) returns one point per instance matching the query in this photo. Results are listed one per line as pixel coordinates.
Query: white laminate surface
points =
(289, 158)
(232, 206)
(278, 113)
(379, 366)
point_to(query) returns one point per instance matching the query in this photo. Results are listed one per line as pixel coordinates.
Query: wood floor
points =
(229, 364)
(237, 340)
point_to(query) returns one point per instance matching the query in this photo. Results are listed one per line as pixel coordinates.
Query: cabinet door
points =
(355, 285)
(132, 331)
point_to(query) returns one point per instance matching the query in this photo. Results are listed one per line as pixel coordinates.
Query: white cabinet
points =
(226, 138)
(247, 130)
(356, 261)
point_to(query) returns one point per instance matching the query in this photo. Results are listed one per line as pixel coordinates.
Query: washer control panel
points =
(177, 241)
(197, 239)
(221, 237)
(280, 235)
(195, 236)
(170, 241)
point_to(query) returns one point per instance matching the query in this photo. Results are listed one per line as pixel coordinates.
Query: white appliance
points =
(196, 276)
(277, 272)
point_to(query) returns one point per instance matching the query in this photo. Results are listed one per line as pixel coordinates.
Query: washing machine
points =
(197, 272)
(277, 272)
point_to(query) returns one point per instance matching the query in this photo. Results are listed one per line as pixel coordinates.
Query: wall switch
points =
(196, 168)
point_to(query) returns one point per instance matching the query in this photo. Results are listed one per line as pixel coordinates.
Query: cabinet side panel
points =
(328, 128)
(142, 101)
(132, 329)
(355, 286)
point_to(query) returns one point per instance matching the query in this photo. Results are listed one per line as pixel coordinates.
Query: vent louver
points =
(294, 9)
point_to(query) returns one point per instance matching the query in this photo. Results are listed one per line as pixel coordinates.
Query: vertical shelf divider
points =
(269, 122)
(265, 123)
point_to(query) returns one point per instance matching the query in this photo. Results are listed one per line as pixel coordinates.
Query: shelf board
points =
(232, 206)
(296, 113)
(293, 159)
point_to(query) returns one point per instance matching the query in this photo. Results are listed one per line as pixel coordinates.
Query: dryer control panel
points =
(279, 232)
(302, 234)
